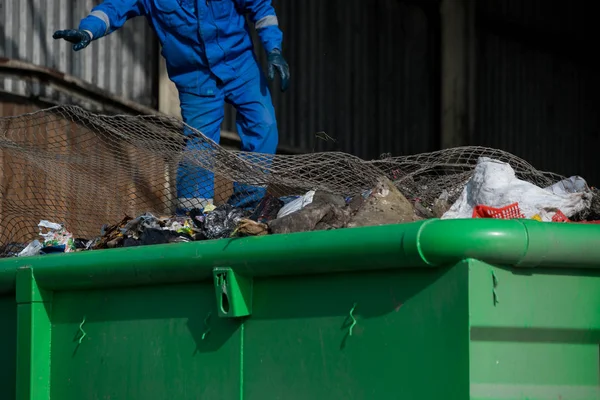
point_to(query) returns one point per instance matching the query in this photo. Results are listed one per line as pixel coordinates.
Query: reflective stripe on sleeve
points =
(102, 15)
(269, 20)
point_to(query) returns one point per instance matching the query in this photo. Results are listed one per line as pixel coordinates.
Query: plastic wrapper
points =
(221, 222)
(55, 238)
(267, 209)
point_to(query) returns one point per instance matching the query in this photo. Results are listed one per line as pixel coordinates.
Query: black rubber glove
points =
(276, 61)
(80, 39)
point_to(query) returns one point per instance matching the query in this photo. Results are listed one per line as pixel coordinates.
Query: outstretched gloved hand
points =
(277, 62)
(80, 39)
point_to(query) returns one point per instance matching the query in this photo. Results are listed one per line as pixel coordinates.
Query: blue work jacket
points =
(203, 41)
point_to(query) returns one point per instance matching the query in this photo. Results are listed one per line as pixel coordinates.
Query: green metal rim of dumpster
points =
(429, 243)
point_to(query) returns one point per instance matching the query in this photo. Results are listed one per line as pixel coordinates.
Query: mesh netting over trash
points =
(87, 172)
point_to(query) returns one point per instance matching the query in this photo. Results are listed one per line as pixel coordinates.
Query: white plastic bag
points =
(297, 204)
(494, 184)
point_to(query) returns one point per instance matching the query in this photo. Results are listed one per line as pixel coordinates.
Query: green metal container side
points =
(429, 243)
(535, 334)
(433, 309)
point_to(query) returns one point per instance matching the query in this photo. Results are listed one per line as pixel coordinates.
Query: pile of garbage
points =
(493, 191)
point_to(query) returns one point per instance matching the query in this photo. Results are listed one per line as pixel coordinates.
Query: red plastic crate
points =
(560, 217)
(511, 211)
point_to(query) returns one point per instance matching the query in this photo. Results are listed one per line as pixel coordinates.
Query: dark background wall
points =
(364, 72)
(372, 74)
(537, 84)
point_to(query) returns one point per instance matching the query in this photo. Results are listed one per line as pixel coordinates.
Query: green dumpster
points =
(459, 309)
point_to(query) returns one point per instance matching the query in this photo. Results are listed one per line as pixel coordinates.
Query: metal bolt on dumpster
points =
(452, 309)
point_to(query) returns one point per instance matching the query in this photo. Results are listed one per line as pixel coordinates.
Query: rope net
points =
(70, 166)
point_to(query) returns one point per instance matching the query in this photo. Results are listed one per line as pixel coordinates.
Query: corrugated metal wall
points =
(364, 72)
(124, 63)
(537, 84)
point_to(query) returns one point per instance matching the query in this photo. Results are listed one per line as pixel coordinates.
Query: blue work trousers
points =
(256, 125)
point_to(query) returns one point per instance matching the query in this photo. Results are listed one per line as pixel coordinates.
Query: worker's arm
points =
(104, 19)
(109, 16)
(262, 14)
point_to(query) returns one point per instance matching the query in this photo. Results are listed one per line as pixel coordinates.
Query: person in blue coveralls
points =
(209, 55)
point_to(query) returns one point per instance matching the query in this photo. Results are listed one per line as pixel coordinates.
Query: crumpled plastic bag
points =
(494, 184)
(574, 184)
(32, 249)
(221, 222)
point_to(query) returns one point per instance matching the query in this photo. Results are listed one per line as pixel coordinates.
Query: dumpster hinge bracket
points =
(234, 293)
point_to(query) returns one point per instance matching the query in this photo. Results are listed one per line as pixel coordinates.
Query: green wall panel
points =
(411, 329)
(144, 343)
